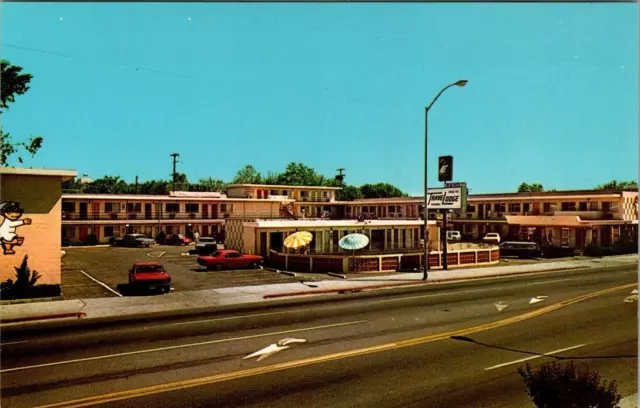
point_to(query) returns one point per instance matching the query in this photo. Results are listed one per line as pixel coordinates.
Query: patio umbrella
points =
(353, 242)
(298, 239)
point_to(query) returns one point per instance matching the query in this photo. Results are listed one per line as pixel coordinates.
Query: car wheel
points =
(218, 267)
(255, 265)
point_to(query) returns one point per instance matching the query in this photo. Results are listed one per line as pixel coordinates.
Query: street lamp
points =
(460, 83)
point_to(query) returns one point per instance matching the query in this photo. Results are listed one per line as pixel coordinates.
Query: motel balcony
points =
(162, 216)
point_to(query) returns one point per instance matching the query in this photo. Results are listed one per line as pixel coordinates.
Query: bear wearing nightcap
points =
(11, 213)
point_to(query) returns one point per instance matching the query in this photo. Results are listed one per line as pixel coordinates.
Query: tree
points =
(247, 175)
(181, 182)
(208, 185)
(155, 187)
(618, 185)
(25, 279)
(271, 178)
(350, 193)
(557, 386)
(14, 82)
(298, 174)
(380, 190)
(108, 185)
(530, 188)
(73, 186)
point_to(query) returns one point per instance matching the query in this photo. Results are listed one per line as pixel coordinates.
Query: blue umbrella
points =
(353, 242)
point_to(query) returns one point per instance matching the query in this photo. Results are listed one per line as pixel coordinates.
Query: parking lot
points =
(97, 272)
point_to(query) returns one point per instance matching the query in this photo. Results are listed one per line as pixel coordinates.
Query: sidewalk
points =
(127, 306)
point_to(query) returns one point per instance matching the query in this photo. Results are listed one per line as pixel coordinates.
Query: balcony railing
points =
(142, 216)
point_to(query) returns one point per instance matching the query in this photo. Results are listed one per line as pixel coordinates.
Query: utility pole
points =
(340, 179)
(136, 184)
(173, 176)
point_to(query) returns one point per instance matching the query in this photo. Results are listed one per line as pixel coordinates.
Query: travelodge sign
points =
(445, 198)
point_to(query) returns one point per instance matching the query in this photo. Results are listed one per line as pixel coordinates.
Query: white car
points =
(492, 237)
(453, 236)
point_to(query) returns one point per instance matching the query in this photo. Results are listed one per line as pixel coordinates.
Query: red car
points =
(229, 259)
(150, 276)
(177, 239)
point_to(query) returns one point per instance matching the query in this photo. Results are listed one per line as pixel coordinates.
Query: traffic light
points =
(445, 168)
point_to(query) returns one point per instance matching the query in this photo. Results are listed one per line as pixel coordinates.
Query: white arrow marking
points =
(634, 292)
(290, 340)
(266, 352)
(501, 306)
(155, 254)
(631, 299)
(537, 299)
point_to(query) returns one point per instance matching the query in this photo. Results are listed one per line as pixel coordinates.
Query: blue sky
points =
(552, 95)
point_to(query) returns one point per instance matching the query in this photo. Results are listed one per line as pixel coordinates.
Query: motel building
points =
(35, 231)
(564, 218)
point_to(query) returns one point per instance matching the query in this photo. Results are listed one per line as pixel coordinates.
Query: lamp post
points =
(460, 83)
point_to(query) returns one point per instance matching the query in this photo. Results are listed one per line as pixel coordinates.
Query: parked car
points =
(149, 276)
(177, 239)
(206, 246)
(520, 249)
(228, 259)
(493, 237)
(454, 236)
(134, 240)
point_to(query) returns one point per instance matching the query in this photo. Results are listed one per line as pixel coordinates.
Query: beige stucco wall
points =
(40, 198)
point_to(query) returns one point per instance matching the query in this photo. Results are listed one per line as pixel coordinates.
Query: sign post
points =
(445, 173)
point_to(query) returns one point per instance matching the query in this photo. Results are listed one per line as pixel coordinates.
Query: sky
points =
(552, 96)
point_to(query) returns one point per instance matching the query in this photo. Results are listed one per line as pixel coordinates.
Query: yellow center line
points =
(179, 385)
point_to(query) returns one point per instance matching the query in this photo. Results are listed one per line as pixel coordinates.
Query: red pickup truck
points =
(227, 258)
(149, 276)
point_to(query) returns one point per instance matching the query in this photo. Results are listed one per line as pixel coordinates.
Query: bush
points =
(554, 251)
(624, 246)
(92, 239)
(557, 386)
(25, 284)
(160, 237)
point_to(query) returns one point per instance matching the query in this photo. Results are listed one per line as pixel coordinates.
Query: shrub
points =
(554, 251)
(595, 250)
(161, 236)
(25, 284)
(563, 386)
(92, 239)
(623, 246)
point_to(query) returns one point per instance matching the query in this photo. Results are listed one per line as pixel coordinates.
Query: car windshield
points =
(149, 268)
(216, 254)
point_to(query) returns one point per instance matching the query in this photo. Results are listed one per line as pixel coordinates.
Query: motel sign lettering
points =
(445, 198)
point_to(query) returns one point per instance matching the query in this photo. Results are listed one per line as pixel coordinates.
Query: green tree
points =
(108, 185)
(155, 187)
(209, 184)
(350, 193)
(73, 186)
(618, 185)
(14, 82)
(182, 183)
(299, 174)
(380, 190)
(530, 188)
(271, 178)
(247, 175)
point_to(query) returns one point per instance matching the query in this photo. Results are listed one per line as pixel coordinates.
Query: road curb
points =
(337, 275)
(416, 283)
(288, 273)
(79, 315)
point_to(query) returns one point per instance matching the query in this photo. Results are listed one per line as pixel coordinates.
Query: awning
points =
(545, 220)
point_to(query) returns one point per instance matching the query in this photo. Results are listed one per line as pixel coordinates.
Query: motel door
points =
(147, 211)
(95, 209)
(214, 210)
(205, 211)
(83, 232)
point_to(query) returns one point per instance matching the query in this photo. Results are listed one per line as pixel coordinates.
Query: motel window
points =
(325, 194)
(273, 192)
(172, 208)
(392, 210)
(471, 208)
(285, 193)
(134, 207)
(514, 207)
(169, 230)
(582, 206)
(226, 207)
(192, 208)
(372, 209)
(499, 207)
(568, 206)
(526, 207)
(68, 207)
(109, 231)
(549, 207)
(303, 194)
(112, 207)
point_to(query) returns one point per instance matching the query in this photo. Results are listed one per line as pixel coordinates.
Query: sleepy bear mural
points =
(9, 237)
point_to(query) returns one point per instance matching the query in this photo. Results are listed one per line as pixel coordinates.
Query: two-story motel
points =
(256, 219)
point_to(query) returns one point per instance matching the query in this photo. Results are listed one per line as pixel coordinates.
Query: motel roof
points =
(19, 171)
(146, 197)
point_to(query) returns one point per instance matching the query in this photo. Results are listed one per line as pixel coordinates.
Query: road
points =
(439, 346)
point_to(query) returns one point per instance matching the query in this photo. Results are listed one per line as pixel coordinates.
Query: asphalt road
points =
(110, 266)
(439, 346)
